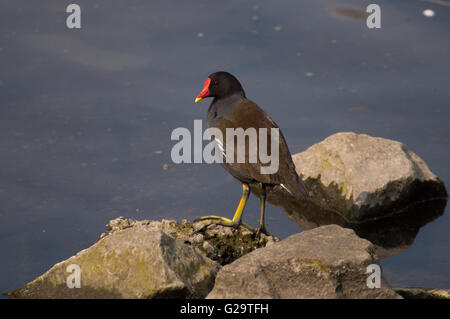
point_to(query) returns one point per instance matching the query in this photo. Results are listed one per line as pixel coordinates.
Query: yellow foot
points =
(213, 219)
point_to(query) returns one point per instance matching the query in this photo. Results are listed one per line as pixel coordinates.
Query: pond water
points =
(86, 114)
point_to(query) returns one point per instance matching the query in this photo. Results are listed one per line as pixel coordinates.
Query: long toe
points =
(213, 219)
(262, 230)
(218, 220)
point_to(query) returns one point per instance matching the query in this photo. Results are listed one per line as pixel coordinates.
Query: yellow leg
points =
(236, 221)
(262, 220)
(240, 209)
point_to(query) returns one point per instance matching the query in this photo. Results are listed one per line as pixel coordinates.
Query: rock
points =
(423, 293)
(135, 261)
(359, 177)
(325, 262)
(219, 243)
(224, 244)
(208, 248)
(374, 186)
(118, 224)
(148, 259)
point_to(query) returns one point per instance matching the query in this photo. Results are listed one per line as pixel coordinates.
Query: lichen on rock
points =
(220, 243)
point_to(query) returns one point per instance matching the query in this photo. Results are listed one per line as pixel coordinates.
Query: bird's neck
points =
(222, 108)
(228, 101)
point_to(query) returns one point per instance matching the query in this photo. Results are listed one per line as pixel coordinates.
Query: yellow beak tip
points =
(198, 99)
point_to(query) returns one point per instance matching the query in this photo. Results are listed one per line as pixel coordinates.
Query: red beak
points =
(205, 91)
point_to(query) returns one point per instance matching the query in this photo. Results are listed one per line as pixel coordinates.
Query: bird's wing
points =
(247, 115)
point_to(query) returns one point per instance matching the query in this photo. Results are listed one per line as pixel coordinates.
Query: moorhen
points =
(231, 109)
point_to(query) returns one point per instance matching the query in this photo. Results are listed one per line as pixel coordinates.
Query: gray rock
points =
(134, 261)
(374, 186)
(325, 262)
(219, 243)
(148, 259)
(360, 177)
(423, 293)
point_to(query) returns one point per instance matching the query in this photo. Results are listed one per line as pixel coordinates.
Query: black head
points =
(220, 85)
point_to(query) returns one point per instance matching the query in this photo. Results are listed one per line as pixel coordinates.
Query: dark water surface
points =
(86, 115)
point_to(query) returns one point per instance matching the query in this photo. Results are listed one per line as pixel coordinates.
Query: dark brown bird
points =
(230, 109)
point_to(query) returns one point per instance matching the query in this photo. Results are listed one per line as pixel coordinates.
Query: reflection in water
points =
(391, 234)
(351, 13)
(397, 233)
